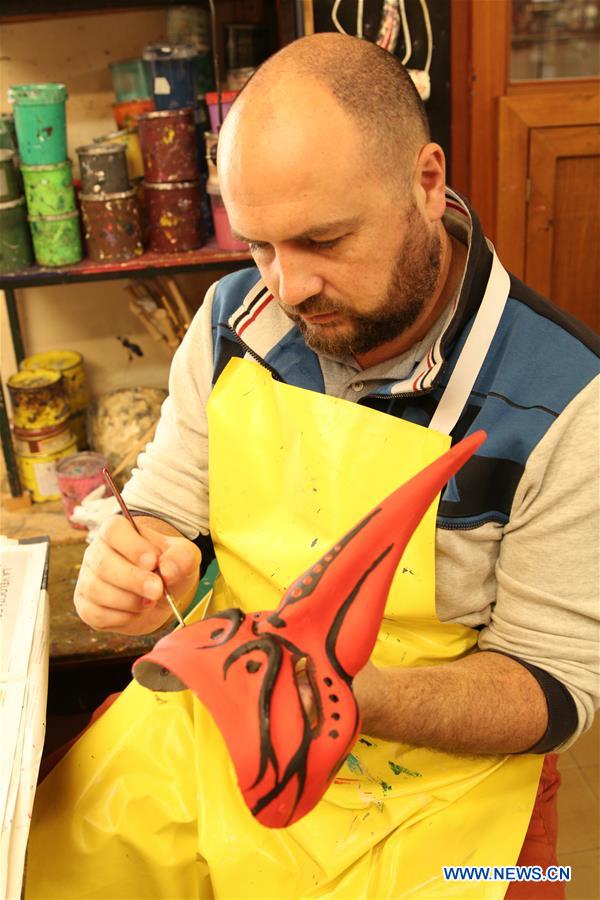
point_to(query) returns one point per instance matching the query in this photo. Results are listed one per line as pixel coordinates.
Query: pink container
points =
(223, 235)
(212, 101)
(77, 476)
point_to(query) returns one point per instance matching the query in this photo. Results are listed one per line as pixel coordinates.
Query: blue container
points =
(174, 74)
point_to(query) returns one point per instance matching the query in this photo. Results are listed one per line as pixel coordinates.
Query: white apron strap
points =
(478, 342)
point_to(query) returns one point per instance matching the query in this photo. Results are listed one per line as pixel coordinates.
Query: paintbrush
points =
(117, 495)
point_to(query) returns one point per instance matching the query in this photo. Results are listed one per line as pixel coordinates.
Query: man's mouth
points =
(320, 318)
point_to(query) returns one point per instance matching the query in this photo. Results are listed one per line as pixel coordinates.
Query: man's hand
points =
(118, 588)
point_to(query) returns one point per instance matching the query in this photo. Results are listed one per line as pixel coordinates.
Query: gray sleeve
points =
(547, 609)
(171, 477)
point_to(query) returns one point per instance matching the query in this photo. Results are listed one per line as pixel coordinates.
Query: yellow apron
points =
(146, 803)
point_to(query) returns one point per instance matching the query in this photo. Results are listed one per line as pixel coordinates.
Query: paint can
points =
(49, 189)
(112, 226)
(70, 364)
(9, 184)
(223, 235)
(174, 74)
(174, 216)
(217, 115)
(169, 148)
(38, 472)
(126, 114)
(56, 239)
(133, 152)
(15, 239)
(103, 168)
(189, 25)
(77, 476)
(39, 399)
(40, 122)
(44, 442)
(210, 144)
(132, 79)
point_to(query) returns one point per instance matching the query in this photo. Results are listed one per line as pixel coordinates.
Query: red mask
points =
(246, 668)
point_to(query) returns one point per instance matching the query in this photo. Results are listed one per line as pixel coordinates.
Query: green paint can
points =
(9, 184)
(15, 241)
(49, 189)
(56, 239)
(40, 122)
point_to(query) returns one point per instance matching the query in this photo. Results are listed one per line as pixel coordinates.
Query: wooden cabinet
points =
(548, 206)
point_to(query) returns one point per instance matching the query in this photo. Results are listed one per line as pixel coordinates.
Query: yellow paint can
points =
(38, 471)
(70, 364)
(39, 399)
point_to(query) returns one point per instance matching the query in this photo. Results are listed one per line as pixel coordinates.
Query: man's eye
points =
(324, 245)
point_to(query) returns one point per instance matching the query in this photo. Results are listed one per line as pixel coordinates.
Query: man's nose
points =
(296, 277)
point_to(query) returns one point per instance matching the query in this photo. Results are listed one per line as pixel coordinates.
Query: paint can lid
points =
(170, 186)
(169, 51)
(65, 164)
(118, 195)
(59, 360)
(61, 218)
(100, 149)
(167, 113)
(81, 465)
(33, 380)
(36, 94)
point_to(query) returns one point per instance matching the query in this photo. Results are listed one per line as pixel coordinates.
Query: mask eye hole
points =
(308, 695)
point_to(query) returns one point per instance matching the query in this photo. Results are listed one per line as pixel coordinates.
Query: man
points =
(376, 271)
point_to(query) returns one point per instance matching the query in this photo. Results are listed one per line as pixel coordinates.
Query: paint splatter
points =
(354, 764)
(401, 770)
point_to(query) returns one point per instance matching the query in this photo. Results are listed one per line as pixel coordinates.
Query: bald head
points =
(368, 84)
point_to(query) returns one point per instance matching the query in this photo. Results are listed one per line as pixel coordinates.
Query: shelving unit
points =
(146, 266)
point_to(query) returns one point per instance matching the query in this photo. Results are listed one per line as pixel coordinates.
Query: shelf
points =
(147, 265)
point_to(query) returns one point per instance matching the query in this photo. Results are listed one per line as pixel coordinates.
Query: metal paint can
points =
(169, 146)
(15, 239)
(39, 399)
(126, 114)
(48, 440)
(103, 168)
(9, 184)
(56, 239)
(174, 216)
(70, 364)
(174, 74)
(40, 121)
(112, 226)
(131, 79)
(77, 476)
(133, 152)
(49, 189)
(38, 472)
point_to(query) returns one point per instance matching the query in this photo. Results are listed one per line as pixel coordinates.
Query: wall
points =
(76, 50)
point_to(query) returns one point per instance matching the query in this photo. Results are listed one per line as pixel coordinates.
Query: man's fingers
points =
(117, 571)
(120, 534)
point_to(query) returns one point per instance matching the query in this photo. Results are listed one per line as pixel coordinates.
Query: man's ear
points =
(430, 181)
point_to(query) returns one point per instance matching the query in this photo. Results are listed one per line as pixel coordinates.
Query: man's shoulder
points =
(232, 290)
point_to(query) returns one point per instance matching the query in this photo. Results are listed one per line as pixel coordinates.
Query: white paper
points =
(24, 642)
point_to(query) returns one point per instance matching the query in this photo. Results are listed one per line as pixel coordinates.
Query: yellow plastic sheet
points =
(146, 803)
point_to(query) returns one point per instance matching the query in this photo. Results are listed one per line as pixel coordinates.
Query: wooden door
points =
(548, 203)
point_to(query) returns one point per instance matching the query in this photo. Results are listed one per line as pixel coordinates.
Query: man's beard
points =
(412, 282)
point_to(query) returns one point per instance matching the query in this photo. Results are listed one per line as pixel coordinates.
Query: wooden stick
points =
(179, 300)
(144, 317)
(137, 448)
(161, 297)
(161, 320)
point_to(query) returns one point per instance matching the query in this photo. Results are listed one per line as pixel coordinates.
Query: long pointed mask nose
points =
(253, 670)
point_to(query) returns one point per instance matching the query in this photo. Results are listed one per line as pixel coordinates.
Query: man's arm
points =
(484, 703)
(546, 613)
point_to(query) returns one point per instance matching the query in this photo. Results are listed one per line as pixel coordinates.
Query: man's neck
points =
(454, 256)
